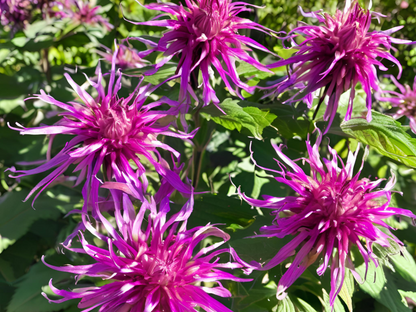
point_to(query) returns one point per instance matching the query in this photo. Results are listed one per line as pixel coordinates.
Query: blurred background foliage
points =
(37, 56)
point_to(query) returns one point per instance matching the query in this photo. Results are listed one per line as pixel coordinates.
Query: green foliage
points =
(37, 57)
(385, 135)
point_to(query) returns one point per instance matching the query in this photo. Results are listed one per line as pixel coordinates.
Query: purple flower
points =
(332, 211)
(127, 57)
(153, 265)
(203, 34)
(111, 134)
(83, 12)
(15, 13)
(405, 101)
(337, 55)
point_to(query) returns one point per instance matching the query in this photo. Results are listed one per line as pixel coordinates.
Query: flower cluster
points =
(405, 101)
(203, 34)
(150, 260)
(82, 12)
(334, 209)
(15, 12)
(153, 265)
(109, 133)
(336, 55)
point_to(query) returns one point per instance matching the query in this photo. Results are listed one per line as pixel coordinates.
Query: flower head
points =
(405, 101)
(15, 13)
(203, 34)
(127, 57)
(337, 55)
(83, 12)
(153, 265)
(332, 211)
(111, 134)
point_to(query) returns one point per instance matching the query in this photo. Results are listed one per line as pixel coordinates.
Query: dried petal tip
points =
(333, 210)
(336, 56)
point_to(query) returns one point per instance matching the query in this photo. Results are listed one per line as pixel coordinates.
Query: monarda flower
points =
(332, 211)
(110, 134)
(16, 13)
(204, 35)
(83, 12)
(405, 101)
(336, 56)
(153, 265)
(127, 57)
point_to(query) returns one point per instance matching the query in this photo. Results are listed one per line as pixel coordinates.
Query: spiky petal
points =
(110, 132)
(203, 34)
(332, 211)
(153, 265)
(337, 55)
(405, 101)
(83, 12)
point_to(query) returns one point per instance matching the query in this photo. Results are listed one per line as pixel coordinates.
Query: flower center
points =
(207, 23)
(116, 125)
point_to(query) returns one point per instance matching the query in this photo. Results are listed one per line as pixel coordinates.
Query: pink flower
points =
(110, 134)
(332, 211)
(127, 57)
(83, 12)
(153, 265)
(405, 101)
(203, 34)
(337, 55)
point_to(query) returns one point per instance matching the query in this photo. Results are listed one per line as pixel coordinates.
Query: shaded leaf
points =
(384, 134)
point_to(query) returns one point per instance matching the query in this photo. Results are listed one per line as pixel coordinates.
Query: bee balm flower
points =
(405, 101)
(337, 55)
(153, 265)
(204, 33)
(332, 211)
(110, 132)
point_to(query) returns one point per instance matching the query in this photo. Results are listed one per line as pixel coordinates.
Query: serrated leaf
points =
(384, 134)
(16, 216)
(237, 117)
(382, 289)
(27, 296)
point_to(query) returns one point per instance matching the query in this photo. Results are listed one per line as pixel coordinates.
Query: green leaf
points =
(6, 106)
(16, 216)
(27, 296)
(221, 209)
(385, 135)
(285, 305)
(301, 305)
(347, 289)
(381, 288)
(237, 117)
(338, 307)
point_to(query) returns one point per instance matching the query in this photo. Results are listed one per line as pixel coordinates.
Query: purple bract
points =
(332, 211)
(153, 265)
(203, 34)
(111, 134)
(336, 56)
(405, 101)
